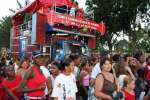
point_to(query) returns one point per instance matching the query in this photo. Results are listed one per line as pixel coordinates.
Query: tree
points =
(122, 46)
(5, 28)
(119, 15)
(6, 25)
(143, 40)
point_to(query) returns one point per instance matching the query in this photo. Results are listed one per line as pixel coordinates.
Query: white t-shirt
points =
(65, 87)
(46, 74)
(121, 80)
(96, 70)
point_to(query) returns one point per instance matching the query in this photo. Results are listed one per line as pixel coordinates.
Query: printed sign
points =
(75, 21)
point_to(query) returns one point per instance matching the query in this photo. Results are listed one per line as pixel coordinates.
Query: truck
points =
(55, 27)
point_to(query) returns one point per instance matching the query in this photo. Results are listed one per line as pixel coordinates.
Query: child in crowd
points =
(55, 70)
(65, 84)
(128, 91)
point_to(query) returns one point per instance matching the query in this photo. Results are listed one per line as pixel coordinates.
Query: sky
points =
(6, 4)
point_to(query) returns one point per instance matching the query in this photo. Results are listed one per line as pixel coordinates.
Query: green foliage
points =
(6, 25)
(143, 43)
(120, 15)
(5, 28)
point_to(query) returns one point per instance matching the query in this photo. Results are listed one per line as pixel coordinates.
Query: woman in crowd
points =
(65, 84)
(34, 79)
(85, 78)
(105, 84)
(23, 67)
(10, 84)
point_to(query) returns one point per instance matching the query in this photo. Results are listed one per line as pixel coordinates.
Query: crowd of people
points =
(77, 77)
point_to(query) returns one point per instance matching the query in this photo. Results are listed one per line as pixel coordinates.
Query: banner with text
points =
(75, 21)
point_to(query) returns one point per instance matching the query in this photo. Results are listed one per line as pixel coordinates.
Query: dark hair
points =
(138, 55)
(74, 56)
(103, 60)
(3, 60)
(84, 62)
(66, 62)
(140, 73)
(57, 64)
(116, 57)
(126, 56)
(92, 61)
(147, 59)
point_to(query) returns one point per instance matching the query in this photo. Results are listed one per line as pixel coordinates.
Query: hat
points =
(37, 53)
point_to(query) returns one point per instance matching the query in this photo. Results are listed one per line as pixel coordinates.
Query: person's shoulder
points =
(43, 68)
(60, 76)
(72, 76)
(100, 75)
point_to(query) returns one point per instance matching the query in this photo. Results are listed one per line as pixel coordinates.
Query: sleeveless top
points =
(38, 80)
(86, 79)
(128, 96)
(108, 86)
(12, 85)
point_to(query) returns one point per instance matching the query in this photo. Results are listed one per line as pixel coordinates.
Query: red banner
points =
(75, 21)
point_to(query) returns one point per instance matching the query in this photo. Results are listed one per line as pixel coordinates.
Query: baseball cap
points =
(37, 53)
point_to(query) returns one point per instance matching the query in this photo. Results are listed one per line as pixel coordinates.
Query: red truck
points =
(57, 27)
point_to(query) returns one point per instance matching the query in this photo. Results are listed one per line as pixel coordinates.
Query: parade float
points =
(56, 27)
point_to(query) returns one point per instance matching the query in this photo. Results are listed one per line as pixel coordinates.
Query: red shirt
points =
(1, 90)
(12, 85)
(147, 72)
(38, 80)
(129, 96)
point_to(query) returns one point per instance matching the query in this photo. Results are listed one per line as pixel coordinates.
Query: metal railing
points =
(25, 26)
(63, 9)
